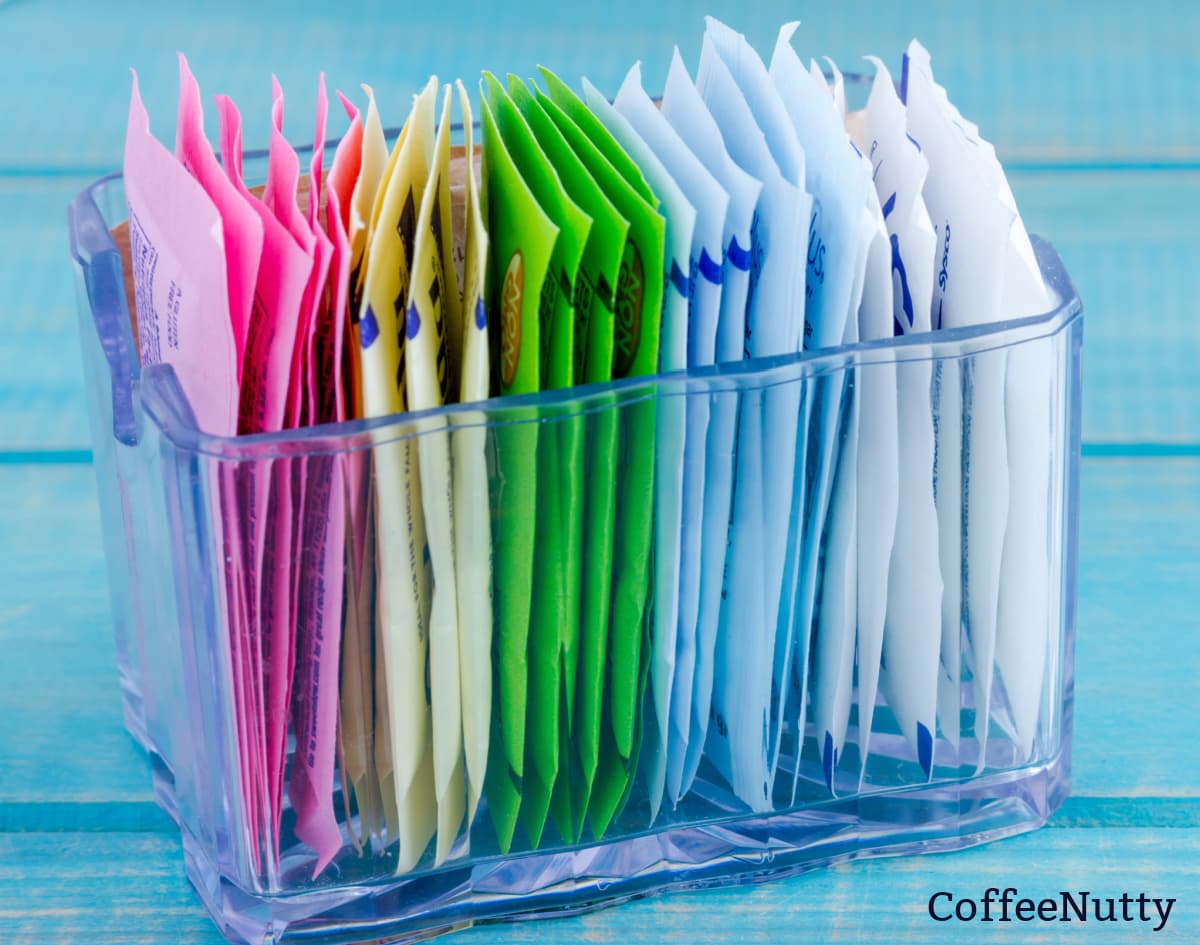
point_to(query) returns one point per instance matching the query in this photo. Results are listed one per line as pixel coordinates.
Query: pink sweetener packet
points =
(280, 196)
(304, 377)
(243, 234)
(246, 668)
(318, 649)
(242, 228)
(332, 405)
(242, 494)
(318, 646)
(265, 507)
(333, 334)
(286, 567)
(177, 241)
(322, 256)
(347, 163)
(177, 251)
(343, 176)
(340, 185)
(304, 380)
(277, 626)
(278, 295)
(286, 571)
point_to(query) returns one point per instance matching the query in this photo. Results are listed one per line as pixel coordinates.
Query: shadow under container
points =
(622, 459)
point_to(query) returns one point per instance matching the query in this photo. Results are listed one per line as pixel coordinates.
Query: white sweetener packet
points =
(986, 272)
(912, 637)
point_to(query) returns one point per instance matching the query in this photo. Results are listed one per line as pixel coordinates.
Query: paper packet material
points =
(555, 610)
(878, 492)
(636, 331)
(181, 300)
(377, 166)
(242, 235)
(241, 228)
(859, 571)
(599, 269)
(521, 241)
(472, 514)
(680, 218)
(280, 549)
(403, 565)
(684, 108)
(322, 536)
(835, 177)
(176, 277)
(914, 589)
(986, 272)
(759, 136)
(367, 194)
(705, 277)
(433, 303)
(264, 489)
(356, 716)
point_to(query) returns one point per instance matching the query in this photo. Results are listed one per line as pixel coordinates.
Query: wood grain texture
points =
(41, 380)
(1129, 242)
(1127, 238)
(1137, 660)
(130, 889)
(63, 737)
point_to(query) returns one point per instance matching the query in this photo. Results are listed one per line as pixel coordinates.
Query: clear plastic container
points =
(161, 496)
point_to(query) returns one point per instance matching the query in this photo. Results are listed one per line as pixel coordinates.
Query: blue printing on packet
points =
(739, 257)
(368, 329)
(678, 279)
(710, 268)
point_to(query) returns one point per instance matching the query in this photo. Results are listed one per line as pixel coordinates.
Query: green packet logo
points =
(510, 318)
(631, 287)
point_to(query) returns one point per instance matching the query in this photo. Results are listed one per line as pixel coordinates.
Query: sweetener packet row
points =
(544, 614)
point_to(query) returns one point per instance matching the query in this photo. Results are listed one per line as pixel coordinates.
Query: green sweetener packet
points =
(595, 300)
(522, 242)
(637, 310)
(558, 528)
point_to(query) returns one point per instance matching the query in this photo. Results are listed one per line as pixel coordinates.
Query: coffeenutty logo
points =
(510, 318)
(631, 286)
(1008, 905)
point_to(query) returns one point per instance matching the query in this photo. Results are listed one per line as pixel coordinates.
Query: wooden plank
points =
(1136, 663)
(1046, 82)
(1127, 239)
(121, 887)
(41, 381)
(130, 888)
(58, 681)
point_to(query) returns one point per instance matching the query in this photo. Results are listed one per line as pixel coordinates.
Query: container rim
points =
(156, 387)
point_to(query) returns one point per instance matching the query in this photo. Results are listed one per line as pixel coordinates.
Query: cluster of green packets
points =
(576, 282)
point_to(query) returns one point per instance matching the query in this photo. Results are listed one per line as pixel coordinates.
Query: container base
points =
(917, 819)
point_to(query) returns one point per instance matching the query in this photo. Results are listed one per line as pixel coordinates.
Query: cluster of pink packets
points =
(247, 298)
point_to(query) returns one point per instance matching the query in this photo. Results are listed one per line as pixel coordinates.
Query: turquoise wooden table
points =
(1094, 113)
